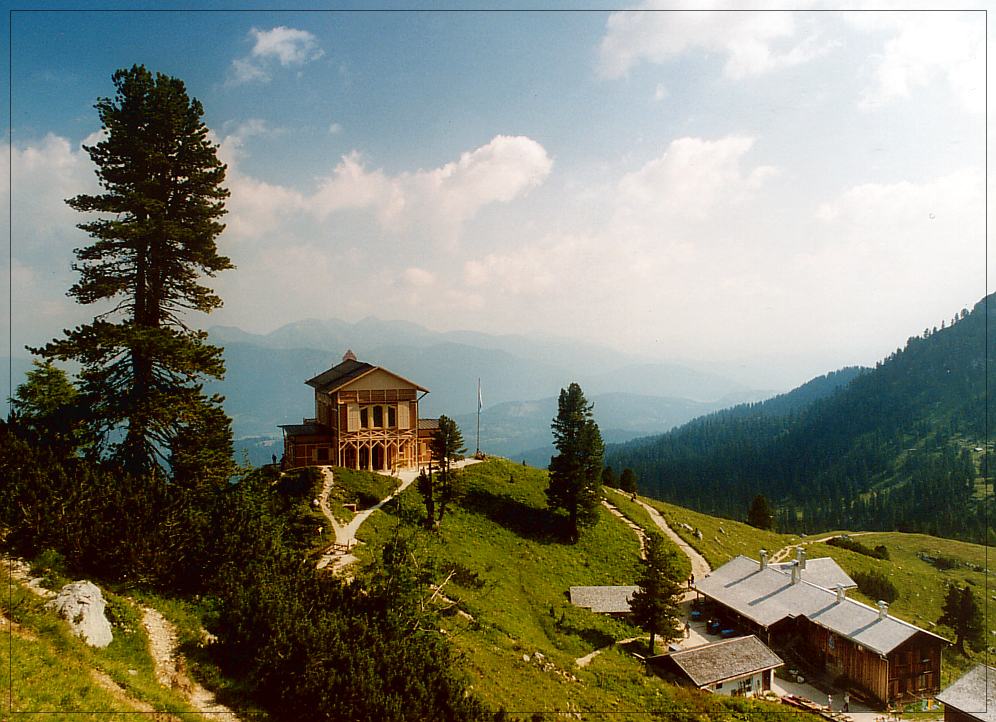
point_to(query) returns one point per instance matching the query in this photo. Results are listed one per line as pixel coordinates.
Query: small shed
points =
(603, 600)
(972, 697)
(739, 667)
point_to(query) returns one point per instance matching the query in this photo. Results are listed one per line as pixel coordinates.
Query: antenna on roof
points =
(348, 356)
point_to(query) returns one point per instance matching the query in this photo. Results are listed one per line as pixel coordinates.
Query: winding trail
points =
(784, 552)
(337, 554)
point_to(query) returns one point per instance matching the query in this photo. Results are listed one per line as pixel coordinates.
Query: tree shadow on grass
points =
(539, 525)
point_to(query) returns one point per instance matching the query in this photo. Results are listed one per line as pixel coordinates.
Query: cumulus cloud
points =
(691, 178)
(283, 46)
(924, 47)
(752, 43)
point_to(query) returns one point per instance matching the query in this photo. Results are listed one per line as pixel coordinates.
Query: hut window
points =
(392, 416)
(378, 414)
(352, 417)
(365, 417)
(403, 416)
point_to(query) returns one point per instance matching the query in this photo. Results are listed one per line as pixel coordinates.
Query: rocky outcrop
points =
(82, 605)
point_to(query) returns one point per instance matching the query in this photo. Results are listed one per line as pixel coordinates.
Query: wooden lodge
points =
(740, 667)
(366, 417)
(972, 697)
(883, 657)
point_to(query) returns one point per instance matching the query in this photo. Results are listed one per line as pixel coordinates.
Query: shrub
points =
(846, 542)
(876, 586)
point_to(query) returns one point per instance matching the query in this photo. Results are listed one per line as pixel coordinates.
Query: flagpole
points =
(480, 402)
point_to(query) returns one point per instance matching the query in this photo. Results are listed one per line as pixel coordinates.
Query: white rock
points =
(82, 605)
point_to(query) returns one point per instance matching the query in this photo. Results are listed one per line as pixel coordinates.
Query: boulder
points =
(82, 605)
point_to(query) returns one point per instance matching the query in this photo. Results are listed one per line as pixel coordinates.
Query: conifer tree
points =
(446, 444)
(575, 472)
(154, 230)
(656, 604)
(627, 481)
(962, 613)
(609, 477)
(759, 514)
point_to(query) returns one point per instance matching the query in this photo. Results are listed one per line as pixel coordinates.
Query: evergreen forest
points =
(898, 447)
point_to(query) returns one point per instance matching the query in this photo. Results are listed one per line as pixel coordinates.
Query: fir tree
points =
(154, 237)
(446, 444)
(656, 604)
(627, 481)
(759, 515)
(46, 410)
(962, 613)
(609, 477)
(575, 472)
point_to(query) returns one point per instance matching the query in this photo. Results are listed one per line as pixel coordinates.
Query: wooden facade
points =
(365, 418)
(910, 671)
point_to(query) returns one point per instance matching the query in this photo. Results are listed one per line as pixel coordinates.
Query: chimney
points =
(800, 555)
(764, 559)
(795, 572)
(883, 609)
(348, 356)
(840, 593)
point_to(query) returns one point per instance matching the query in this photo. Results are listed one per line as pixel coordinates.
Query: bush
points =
(875, 585)
(846, 542)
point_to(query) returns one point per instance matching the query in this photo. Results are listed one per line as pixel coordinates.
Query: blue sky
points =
(780, 192)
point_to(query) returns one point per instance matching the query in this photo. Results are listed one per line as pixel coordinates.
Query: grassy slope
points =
(47, 669)
(512, 576)
(722, 539)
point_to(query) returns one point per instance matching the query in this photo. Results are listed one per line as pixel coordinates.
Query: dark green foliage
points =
(962, 613)
(759, 514)
(575, 472)
(154, 237)
(446, 444)
(609, 477)
(426, 485)
(656, 604)
(313, 646)
(876, 586)
(46, 409)
(892, 449)
(846, 542)
(627, 481)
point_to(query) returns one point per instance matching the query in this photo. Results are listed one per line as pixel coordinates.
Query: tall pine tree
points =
(575, 472)
(156, 222)
(656, 604)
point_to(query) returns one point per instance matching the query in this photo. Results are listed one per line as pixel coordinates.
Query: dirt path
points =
(171, 668)
(637, 529)
(784, 552)
(345, 534)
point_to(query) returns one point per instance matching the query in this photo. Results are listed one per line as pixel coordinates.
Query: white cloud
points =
(691, 178)
(753, 43)
(660, 92)
(286, 45)
(334, 129)
(283, 46)
(922, 48)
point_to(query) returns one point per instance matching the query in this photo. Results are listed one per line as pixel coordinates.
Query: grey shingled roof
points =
(823, 572)
(768, 596)
(304, 429)
(729, 659)
(339, 374)
(428, 424)
(974, 693)
(604, 600)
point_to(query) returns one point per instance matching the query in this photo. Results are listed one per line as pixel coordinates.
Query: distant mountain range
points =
(901, 446)
(520, 378)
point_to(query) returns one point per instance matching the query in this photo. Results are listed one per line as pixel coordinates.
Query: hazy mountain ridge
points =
(894, 447)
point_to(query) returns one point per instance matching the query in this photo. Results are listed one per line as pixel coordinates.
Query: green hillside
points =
(896, 448)
(512, 623)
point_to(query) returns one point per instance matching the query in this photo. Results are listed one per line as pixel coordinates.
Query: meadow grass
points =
(511, 572)
(722, 539)
(49, 669)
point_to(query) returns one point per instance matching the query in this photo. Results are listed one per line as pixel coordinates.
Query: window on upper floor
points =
(378, 417)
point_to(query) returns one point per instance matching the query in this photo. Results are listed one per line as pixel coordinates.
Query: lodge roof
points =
(428, 424)
(973, 694)
(766, 596)
(603, 600)
(728, 659)
(822, 571)
(303, 429)
(347, 371)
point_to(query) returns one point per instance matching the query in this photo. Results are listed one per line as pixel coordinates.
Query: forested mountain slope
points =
(898, 447)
